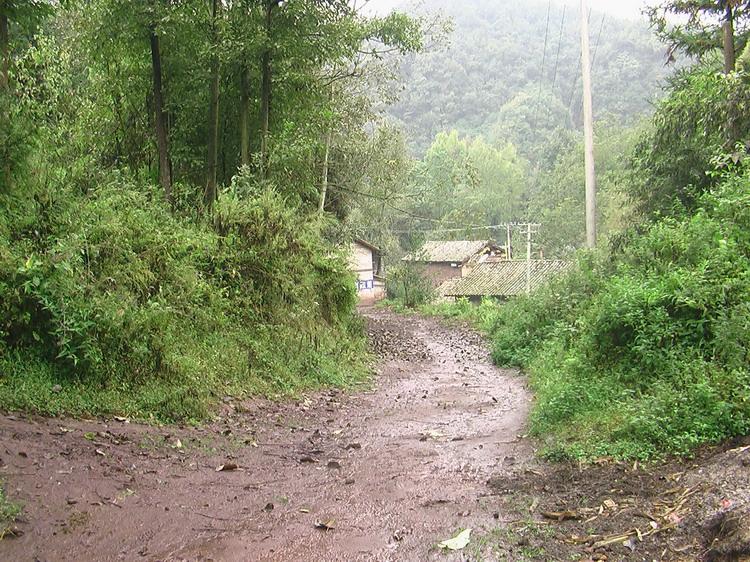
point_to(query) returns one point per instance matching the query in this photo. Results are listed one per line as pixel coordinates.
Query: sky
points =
(621, 8)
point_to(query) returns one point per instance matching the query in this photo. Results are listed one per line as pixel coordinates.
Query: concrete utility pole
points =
(530, 229)
(588, 129)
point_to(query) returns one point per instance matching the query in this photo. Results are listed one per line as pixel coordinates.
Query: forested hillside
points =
(498, 76)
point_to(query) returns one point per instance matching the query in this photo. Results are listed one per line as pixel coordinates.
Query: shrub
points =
(133, 310)
(409, 286)
(643, 352)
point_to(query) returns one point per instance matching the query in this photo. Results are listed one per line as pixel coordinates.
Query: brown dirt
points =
(434, 447)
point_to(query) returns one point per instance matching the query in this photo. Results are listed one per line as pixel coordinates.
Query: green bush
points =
(122, 307)
(643, 352)
(409, 286)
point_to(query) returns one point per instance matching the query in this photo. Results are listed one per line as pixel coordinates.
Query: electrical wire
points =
(559, 44)
(541, 73)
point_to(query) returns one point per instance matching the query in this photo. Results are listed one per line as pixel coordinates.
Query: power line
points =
(598, 37)
(596, 50)
(541, 73)
(575, 80)
(544, 50)
(559, 44)
(469, 227)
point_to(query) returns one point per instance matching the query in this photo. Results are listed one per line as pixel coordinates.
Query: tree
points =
(708, 25)
(211, 192)
(24, 15)
(161, 129)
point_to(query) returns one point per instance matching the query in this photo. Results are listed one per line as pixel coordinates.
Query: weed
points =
(9, 511)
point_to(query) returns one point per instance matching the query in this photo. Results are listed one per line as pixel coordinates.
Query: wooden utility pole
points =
(588, 130)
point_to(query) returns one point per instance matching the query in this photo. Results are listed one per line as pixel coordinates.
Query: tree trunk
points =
(4, 51)
(265, 91)
(245, 116)
(160, 119)
(728, 32)
(211, 192)
(5, 86)
(324, 182)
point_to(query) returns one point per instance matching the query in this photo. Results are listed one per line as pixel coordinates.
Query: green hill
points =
(491, 71)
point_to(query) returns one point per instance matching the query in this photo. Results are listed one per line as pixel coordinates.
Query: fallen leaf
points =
(610, 504)
(327, 525)
(100, 452)
(177, 444)
(431, 434)
(226, 467)
(458, 542)
(561, 515)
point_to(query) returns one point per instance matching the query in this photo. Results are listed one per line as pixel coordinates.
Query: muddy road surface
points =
(384, 473)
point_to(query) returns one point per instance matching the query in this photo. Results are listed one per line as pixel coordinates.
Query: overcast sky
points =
(621, 8)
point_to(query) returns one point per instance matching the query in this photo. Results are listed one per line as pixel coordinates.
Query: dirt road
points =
(383, 473)
(391, 470)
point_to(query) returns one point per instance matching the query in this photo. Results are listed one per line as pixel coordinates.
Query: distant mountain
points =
(492, 71)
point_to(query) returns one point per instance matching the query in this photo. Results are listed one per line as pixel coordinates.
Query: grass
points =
(33, 384)
(9, 511)
(506, 543)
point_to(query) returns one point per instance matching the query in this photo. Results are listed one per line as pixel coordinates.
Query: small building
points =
(366, 261)
(503, 279)
(451, 259)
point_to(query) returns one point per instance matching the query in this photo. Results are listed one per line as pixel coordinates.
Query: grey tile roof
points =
(444, 251)
(503, 278)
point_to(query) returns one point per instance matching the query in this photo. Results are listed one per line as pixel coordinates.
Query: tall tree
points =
(5, 85)
(703, 26)
(160, 116)
(4, 48)
(213, 113)
(265, 86)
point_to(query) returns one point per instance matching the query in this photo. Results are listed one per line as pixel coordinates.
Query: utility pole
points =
(528, 259)
(530, 229)
(588, 129)
(508, 249)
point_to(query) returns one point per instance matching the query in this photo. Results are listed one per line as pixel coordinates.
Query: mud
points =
(382, 473)
(379, 474)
